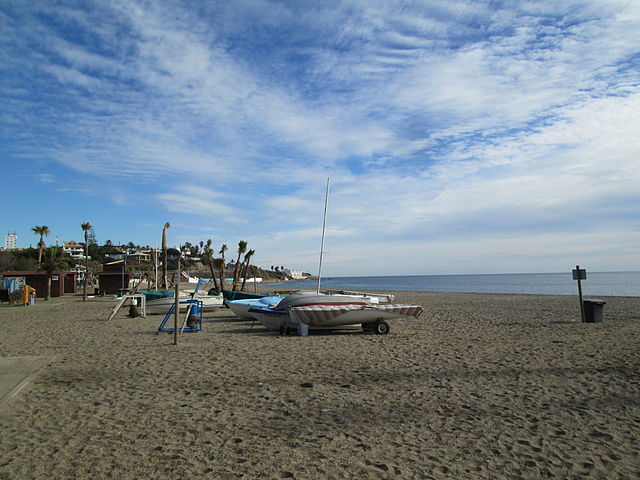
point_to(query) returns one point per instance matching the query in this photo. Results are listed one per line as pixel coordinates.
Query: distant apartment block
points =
(11, 241)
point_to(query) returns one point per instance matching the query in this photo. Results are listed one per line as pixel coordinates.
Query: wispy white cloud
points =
(198, 201)
(46, 178)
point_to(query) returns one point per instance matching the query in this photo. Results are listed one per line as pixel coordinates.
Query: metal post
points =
(324, 225)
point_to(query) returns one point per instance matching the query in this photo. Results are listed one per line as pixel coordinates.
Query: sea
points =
(611, 284)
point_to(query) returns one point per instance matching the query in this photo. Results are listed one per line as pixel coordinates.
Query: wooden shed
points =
(111, 282)
(61, 283)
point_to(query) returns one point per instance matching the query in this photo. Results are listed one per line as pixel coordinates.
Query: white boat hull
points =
(331, 311)
(162, 305)
(335, 315)
(240, 310)
(274, 321)
(279, 321)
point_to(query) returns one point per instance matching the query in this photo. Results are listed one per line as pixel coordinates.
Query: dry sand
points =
(481, 386)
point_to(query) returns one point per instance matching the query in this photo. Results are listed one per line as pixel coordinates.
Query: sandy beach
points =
(480, 386)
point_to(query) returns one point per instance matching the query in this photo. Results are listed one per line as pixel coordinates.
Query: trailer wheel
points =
(381, 328)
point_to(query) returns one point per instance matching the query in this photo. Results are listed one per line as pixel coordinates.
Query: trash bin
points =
(593, 310)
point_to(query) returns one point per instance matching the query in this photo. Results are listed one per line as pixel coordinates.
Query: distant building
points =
(116, 253)
(11, 241)
(75, 249)
(139, 255)
(295, 274)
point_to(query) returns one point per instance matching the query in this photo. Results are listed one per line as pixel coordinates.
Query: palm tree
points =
(186, 250)
(42, 231)
(242, 247)
(221, 252)
(154, 267)
(245, 267)
(207, 258)
(55, 260)
(164, 255)
(86, 226)
(218, 265)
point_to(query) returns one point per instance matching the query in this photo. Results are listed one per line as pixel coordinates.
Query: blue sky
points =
(459, 136)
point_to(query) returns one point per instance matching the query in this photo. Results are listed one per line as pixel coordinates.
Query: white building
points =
(11, 241)
(295, 274)
(75, 249)
(139, 255)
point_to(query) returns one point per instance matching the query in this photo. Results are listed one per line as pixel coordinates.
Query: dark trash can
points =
(593, 310)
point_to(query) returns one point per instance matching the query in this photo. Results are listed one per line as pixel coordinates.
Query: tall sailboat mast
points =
(324, 224)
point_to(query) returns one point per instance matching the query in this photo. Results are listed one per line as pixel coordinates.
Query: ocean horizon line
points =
(612, 283)
(471, 274)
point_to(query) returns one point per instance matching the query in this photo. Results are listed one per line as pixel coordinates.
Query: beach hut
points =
(112, 283)
(61, 282)
(70, 282)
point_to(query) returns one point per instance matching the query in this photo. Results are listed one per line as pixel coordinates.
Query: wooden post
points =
(577, 275)
(176, 313)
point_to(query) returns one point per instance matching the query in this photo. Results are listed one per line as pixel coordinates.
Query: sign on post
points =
(580, 274)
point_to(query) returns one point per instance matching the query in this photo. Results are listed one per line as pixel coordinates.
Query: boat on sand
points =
(332, 311)
(241, 307)
(372, 318)
(162, 305)
(159, 301)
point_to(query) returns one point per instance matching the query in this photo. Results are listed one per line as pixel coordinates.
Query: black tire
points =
(381, 328)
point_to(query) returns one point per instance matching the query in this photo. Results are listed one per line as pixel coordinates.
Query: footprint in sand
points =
(603, 435)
